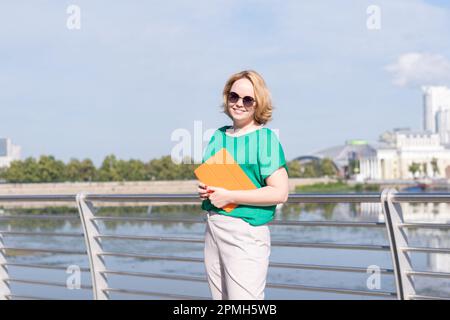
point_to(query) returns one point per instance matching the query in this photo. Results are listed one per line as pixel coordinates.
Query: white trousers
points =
(236, 258)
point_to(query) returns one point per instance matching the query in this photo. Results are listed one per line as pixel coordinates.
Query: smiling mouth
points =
(238, 110)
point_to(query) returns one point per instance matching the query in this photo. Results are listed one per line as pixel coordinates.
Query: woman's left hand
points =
(219, 197)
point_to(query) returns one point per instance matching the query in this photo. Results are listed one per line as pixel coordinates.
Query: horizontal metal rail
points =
(23, 297)
(174, 198)
(325, 267)
(432, 274)
(202, 279)
(40, 266)
(156, 257)
(181, 198)
(356, 224)
(424, 249)
(150, 257)
(329, 223)
(60, 251)
(156, 294)
(273, 243)
(38, 198)
(307, 266)
(149, 238)
(332, 290)
(424, 297)
(326, 245)
(45, 234)
(46, 283)
(414, 225)
(149, 219)
(416, 197)
(268, 285)
(40, 217)
(155, 275)
(271, 264)
(190, 220)
(334, 198)
(177, 198)
(274, 222)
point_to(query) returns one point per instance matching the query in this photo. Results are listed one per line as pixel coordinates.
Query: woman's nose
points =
(240, 103)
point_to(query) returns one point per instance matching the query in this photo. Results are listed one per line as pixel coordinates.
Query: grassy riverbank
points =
(339, 187)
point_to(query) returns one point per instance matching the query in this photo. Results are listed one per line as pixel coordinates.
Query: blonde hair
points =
(263, 106)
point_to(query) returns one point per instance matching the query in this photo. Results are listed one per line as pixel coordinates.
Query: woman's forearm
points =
(265, 196)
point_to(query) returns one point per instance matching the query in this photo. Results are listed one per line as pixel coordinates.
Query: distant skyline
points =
(133, 74)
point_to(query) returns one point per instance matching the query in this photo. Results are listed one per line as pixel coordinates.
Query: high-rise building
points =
(8, 152)
(436, 111)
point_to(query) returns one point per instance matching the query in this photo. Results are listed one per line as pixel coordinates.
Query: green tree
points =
(80, 170)
(165, 169)
(108, 170)
(413, 168)
(434, 167)
(50, 169)
(294, 168)
(186, 169)
(327, 168)
(309, 170)
(425, 169)
(88, 172)
(131, 170)
(22, 171)
(2, 174)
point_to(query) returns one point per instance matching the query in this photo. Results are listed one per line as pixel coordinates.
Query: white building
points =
(398, 150)
(342, 155)
(436, 111)
(8, 152)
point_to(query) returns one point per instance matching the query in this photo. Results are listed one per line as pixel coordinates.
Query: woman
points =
(237, 243)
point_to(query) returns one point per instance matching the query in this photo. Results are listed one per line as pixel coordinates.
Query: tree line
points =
(312, 169)
(48, 169)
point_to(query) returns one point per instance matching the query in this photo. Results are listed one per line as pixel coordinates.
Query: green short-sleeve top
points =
(259, 153)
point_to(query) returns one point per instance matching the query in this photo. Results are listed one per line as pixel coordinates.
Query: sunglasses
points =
(247, 101)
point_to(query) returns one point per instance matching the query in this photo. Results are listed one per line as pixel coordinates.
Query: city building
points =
(436, 111)
(406, 154)
(345, 157)
(8, 152)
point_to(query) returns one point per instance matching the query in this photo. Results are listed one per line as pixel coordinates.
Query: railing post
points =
(94, 248)
(5, 290)
(401, 261)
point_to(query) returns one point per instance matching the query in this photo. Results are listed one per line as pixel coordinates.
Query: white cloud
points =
(416, 69)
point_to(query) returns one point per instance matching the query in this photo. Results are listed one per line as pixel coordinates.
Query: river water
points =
(334, 257)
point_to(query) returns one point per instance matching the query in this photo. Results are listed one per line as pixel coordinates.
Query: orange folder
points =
(221, 170)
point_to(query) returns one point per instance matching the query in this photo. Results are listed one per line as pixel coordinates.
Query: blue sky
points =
(443, 3)
(138, 70)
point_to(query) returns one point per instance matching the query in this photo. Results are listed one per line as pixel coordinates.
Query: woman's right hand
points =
(202, 192)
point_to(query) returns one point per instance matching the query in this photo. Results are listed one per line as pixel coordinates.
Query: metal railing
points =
(394, 225)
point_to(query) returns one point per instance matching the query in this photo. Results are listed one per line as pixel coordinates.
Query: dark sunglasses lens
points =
(233, 97)
(248, 101)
